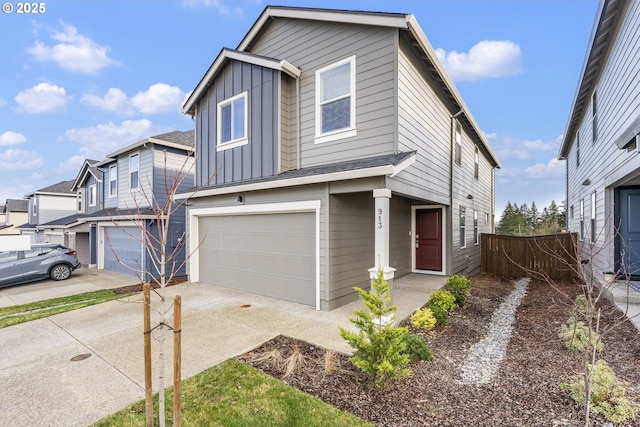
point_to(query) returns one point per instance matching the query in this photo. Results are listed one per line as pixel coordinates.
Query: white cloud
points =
(552, 170)
(12, 138)
(207, 4)
(43, 98)
(487, 59)
(16, 159)
(96, 142)
(73, 52)
(159, 98)
(73, 163)
(540, 145)
(2, 102)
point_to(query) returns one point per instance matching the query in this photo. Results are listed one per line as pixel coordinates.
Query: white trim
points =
(244, 139)
(109, 169)
(350, 131)
(413, 240)
(137, 153)
(270, 208)
(93, 195)
(390, 170)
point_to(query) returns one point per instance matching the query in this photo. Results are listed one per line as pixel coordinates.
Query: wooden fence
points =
(511, 256)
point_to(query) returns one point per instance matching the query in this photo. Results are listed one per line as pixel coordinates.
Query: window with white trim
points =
(232, 126)
(578, 149)
(336, 100)
(593, 217)
(463, 227)
(476, 163)
(594, 118)
(582, 219)
(92, 195)
(79, 199)
(113, 180)
(134, 170)
(35, 206)
(476, 235)
(458, 143)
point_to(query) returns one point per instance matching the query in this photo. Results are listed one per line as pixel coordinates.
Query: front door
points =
(629, 220)
(429, 239)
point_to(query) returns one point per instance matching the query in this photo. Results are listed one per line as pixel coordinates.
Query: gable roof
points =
(16, 205)
(62, 188)
(406, 23)
(602, 36)
(88, 167)
(223, 57)
(183, 140)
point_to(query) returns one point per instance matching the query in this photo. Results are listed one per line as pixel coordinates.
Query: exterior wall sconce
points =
(469, 196)
(586, 182)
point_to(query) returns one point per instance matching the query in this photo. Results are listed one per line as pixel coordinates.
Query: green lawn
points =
(37, 310)
(235, 394)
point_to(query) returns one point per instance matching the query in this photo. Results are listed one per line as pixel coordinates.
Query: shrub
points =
(424, 319)
(417, 348)
(440, 314)
(379, 346)
(459, 285)
(577, 337)
(443, 299)
(608, 393)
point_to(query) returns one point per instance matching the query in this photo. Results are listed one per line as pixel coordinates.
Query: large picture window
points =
(335, 100)
(232, 122)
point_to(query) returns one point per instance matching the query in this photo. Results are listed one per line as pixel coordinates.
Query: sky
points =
(81, 79)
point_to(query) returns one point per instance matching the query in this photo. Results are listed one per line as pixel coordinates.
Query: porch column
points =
(381, 232)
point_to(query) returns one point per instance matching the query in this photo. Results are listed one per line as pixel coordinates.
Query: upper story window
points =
(463, 227)
(113, 180)
(232, 122)
(336, 101)
(92, 195)
(79, 199)
(594, 118)
(458, 143)
(35, 206)
(476, 163)
(578, 149)
(134, 170)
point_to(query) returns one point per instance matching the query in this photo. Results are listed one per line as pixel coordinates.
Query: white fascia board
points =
(170, 144)
(419, 35)
(117, 218)
(313, 179)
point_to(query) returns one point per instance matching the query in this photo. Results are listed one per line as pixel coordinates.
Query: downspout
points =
(298, 138)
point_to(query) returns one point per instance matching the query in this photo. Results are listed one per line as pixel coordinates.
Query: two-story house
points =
(601, 144)
(118, 200)
(45, 206)
(15, 212)
(331, 144)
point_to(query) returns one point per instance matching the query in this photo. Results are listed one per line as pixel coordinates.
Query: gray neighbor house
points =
(601, 144)
(331, 144)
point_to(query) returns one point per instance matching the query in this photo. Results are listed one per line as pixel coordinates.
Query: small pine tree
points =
(379, 346)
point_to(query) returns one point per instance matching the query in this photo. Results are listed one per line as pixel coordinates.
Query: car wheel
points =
(60, 272)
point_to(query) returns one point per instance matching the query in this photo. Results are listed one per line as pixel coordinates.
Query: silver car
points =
(42, 261)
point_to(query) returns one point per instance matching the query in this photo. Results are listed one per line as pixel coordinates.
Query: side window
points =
(458, 143)
(582, 219)
(113, 180)
(476, 163)
(578, 149)
(593, 217)
(232, 122)
(594, 118)
(32, 253)
(463, 228)
(79, 199)
(8, 256)
(92, 195)
(134, 169)
(476, 235)
(335, 101)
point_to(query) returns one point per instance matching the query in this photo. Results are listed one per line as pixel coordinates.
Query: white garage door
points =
(123, 249)
(266, 254)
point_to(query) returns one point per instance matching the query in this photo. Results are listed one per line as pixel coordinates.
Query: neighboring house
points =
(45, 205)
(601, 143)
(15, 212)
(331, 144)
(116, 198)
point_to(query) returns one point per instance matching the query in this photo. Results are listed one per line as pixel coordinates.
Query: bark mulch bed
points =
(525, 391)
(138, 286)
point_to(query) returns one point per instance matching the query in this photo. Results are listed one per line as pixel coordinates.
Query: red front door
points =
(429, 239)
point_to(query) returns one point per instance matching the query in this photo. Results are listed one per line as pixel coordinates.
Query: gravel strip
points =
(485, 356)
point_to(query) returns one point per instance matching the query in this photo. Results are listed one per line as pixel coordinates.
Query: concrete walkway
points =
(43, 386)
(626, 299)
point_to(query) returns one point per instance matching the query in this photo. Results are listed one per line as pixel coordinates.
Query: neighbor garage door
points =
(267, 254)
(122, 246)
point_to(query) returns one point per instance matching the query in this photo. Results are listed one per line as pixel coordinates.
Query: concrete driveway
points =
(42, 386)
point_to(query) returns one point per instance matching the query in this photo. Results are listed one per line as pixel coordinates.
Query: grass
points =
(16, 314)
(234, 394)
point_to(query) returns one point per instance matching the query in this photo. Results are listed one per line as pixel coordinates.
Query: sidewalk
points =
(42, 386)
(627, 299)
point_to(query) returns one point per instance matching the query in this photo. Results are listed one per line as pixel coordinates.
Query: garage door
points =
(266, 254)
(122, 246)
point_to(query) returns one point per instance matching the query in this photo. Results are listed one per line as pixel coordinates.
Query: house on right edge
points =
(331, 144)
(601, 144)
